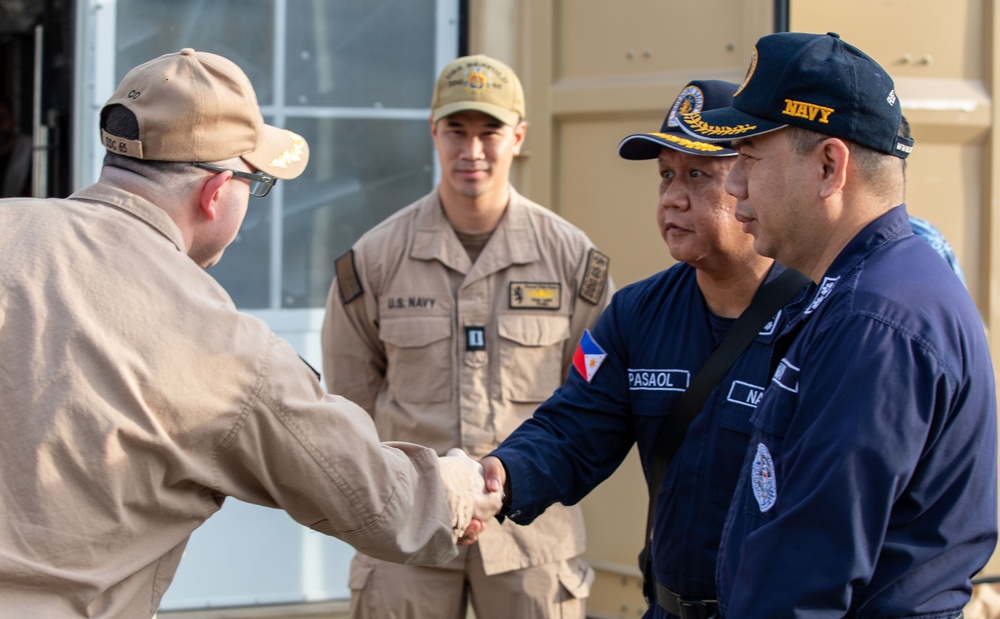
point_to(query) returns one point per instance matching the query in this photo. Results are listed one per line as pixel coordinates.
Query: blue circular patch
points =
(690, 101)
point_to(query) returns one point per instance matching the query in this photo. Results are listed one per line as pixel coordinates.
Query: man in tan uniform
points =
(136, 397)
(451, 321)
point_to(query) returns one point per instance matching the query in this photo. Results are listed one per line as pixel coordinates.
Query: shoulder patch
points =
(595, 277)
(347, 278)
(588, 356)
(762, 478)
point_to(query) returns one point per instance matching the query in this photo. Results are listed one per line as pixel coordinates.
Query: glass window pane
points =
(362, 53)
(240, 30)
(360, 172)
(375, 54)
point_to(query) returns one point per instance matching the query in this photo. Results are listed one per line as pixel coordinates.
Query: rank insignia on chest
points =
(535, 295)
(588, 356)
(475, 338)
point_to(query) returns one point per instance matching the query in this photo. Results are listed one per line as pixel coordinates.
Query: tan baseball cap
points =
(482, 84)
(200, 107)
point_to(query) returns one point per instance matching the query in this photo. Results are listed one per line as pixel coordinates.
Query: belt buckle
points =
(692, 609)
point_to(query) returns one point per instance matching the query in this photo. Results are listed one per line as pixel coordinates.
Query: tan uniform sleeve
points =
(354, 360)
(318, 457)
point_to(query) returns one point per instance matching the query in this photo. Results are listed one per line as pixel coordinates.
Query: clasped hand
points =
(475, 494)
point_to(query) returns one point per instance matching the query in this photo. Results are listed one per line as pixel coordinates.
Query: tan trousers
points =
(381, 590)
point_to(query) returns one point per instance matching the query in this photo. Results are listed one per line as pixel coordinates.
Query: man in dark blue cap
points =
(642, 356)
(869, 485)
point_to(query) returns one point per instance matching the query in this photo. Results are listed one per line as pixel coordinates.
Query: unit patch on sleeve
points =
(595, 277)
(588, 356)
(762, 478)
(347, 278)
(535, 295)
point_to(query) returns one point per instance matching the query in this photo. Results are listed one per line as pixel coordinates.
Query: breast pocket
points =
(531, 349)
(728, 450)
(762, 465)
(420, 358)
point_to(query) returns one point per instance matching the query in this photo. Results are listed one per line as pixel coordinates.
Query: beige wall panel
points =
(621, 549)
(944, 186)
(616, 518)
(910, 38)
(495, 30)
(598, 38)
(937, 57)
(612, 199)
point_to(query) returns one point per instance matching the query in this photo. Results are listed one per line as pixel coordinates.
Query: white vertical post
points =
(95, 81)
(445, 49)
(40, 132)
(278, 118)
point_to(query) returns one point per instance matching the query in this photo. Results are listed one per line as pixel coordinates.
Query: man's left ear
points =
(520, 130)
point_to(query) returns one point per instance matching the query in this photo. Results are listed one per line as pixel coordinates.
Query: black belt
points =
(683, 607)
(695, 609)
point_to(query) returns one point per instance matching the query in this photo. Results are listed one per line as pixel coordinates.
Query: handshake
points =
(474, 495)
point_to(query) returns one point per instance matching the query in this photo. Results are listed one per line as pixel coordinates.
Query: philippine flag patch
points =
(588, 356)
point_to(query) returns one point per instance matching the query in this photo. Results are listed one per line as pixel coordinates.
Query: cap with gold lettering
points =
(813, 81)
(697, 96)
(482, 84)
(200, 107)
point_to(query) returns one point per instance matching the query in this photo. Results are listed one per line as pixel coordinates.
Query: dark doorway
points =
(40, 98)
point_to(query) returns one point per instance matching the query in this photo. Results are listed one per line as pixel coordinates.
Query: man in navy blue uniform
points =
(869, 486)
(641, 356)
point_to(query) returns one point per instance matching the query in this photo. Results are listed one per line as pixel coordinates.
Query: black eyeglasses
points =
(260, 183)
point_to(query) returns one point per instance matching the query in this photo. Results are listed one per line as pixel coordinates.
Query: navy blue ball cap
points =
(813, 81)
(697, 96)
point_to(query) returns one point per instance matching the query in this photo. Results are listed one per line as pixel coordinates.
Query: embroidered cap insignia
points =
(292, 154)
(691, 100)
(750, 71)
(477, 81)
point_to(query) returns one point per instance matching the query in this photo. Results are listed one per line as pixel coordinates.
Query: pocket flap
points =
(416, 331)
(578, 583)
(358, 578)
(530, 330)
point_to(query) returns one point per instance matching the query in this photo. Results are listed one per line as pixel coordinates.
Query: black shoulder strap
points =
(765, 304)
(769, 299)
